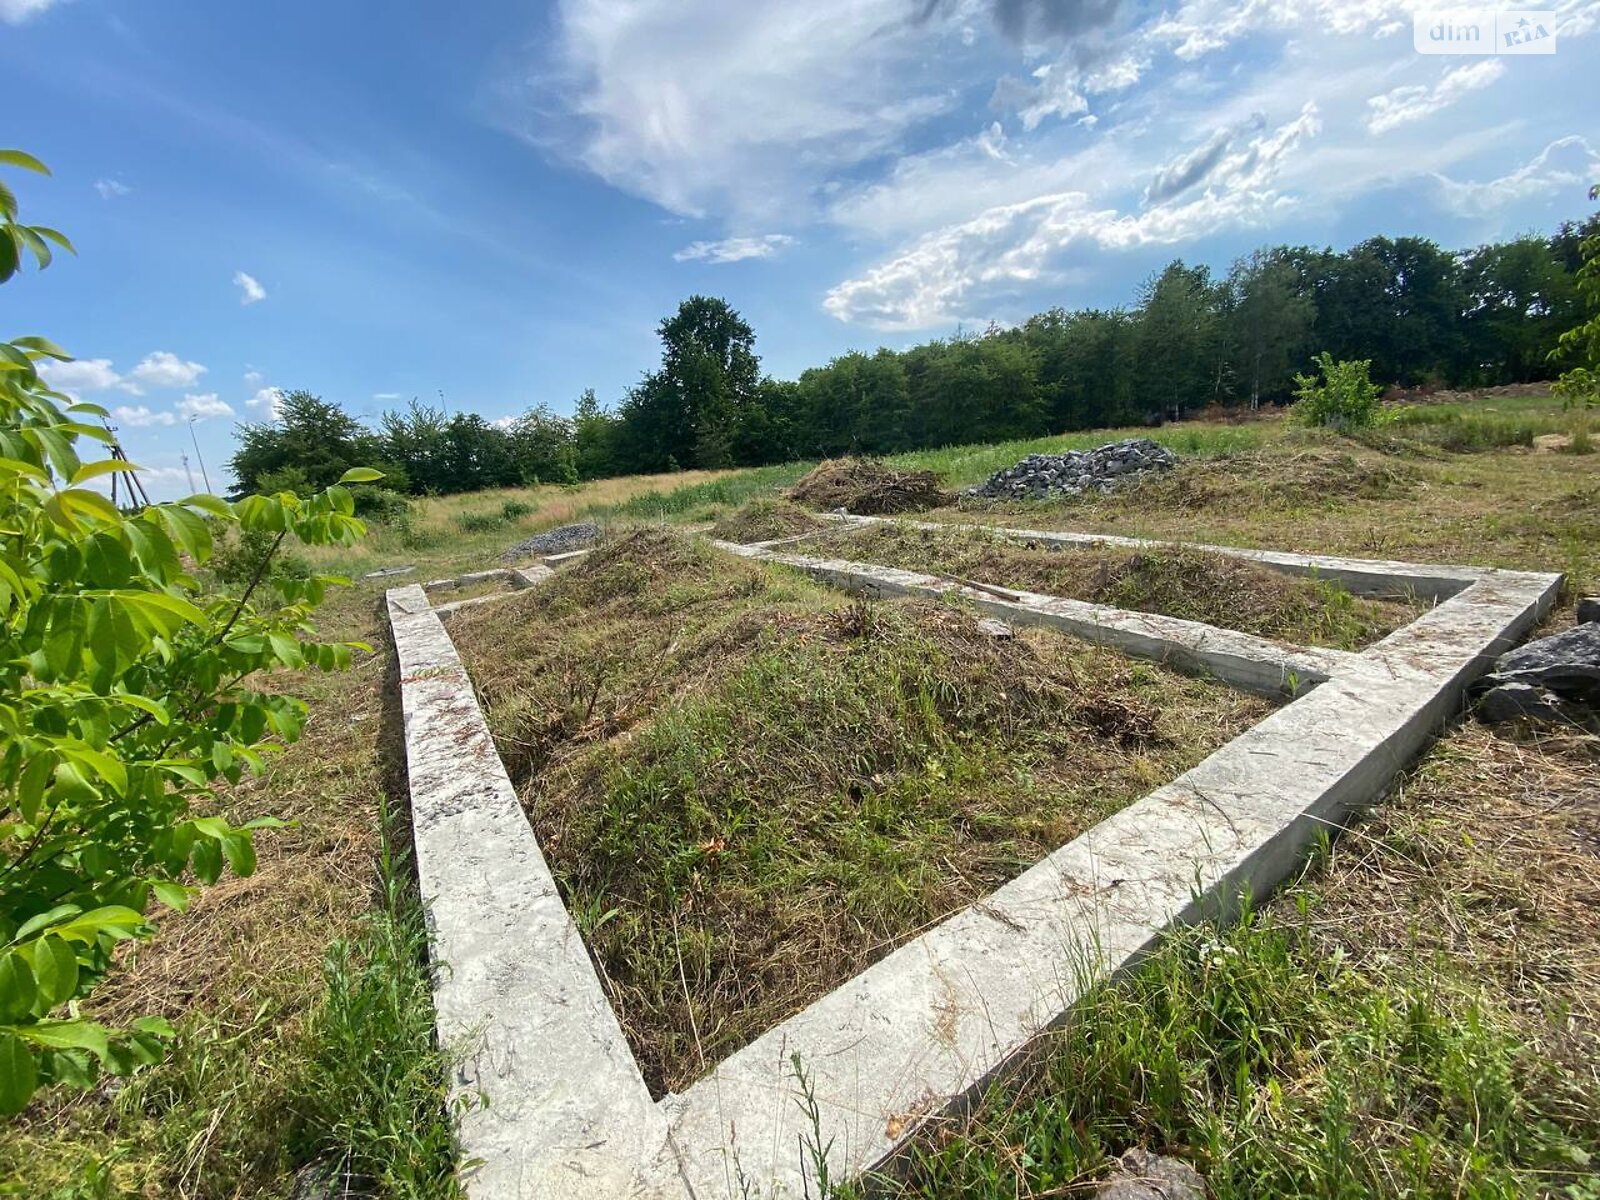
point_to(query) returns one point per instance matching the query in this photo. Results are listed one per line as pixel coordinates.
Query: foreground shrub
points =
(1344, 398)
(126, 692)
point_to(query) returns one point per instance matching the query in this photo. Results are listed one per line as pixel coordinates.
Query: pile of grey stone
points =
(1077, 471)
(554, 541)
(1555, 678)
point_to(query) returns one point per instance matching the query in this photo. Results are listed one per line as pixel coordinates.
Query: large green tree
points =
(308, 435)
(690, 412)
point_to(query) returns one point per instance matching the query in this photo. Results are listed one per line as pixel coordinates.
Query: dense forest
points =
(1421, 314)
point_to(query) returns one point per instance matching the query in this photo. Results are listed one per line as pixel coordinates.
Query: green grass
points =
(701, 501)
(1211, 588)
(1276, 1070)
(750, 787)
(1413, 1017)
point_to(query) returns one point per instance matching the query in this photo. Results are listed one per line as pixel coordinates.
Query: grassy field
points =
(1416, 1017)
(1212, 588)
(750, 787)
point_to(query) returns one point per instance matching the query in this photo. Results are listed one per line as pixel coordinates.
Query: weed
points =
(1198, 586)
(515, 510)
(763, 786)
(765, 519)
(480, 522)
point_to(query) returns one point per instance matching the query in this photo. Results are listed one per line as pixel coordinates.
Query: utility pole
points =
(188, 472)
(200, 457)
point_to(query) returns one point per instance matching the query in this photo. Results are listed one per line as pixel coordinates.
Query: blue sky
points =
(498, 201)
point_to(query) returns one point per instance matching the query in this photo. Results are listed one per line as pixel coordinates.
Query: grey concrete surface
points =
(1240, 659)
(1361, 576)
(558, 1109)
(928, 1026)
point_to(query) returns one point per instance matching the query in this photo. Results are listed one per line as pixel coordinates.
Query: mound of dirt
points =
(765, 520)
(868, 487)
(750, 787)
(1216, 589)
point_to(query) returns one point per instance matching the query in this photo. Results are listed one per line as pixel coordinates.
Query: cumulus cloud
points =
(141, 416)
(110, 189)
(80, 375)
(734, 249)
(163, 369)
(1569, 163)
(199, 407)
(1412, 103)
(946, 274)
(727, 107)
(267, 401)
(250, 290)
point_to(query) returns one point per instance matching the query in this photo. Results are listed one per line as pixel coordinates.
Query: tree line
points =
(1194, 340)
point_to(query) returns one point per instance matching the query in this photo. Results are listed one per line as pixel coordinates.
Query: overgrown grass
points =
(750, 787)
(301, 999)
(1415, 1017)
(1212, 588)
(765, 519)
(1276, 1070)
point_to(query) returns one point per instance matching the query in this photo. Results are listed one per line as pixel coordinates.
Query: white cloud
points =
(734, 249)
(141, 416)
(1414, 102)
(80, 375)
(202, 406)
(15, 12)
(730, 107)
(267, 400)
(164, 369)
(110, 189)
(952, 272)
(1569, 162)
(386, 397)
(250, 290)
(252, 378)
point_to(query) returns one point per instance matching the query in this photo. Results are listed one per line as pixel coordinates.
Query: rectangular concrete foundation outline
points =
(928, 1025)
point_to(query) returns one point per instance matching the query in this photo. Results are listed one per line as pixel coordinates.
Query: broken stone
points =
(1041, 475)
(1141, 1175)
(388, 572)
(1588, 610)
(1512, 700)
(1567, 663)
(554, 541)
(994, 628)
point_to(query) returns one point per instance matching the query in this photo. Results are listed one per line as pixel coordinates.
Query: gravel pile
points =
(1077, 471)
(554, 541)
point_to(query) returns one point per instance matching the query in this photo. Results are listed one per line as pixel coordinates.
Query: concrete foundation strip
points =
(568, 1114)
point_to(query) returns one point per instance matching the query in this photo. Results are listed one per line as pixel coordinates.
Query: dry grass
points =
(750, 788)
(1487, 862)
(868, 487)
(1416, 1016)
(1510, 508)
(1216, 589)
(765, 519)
